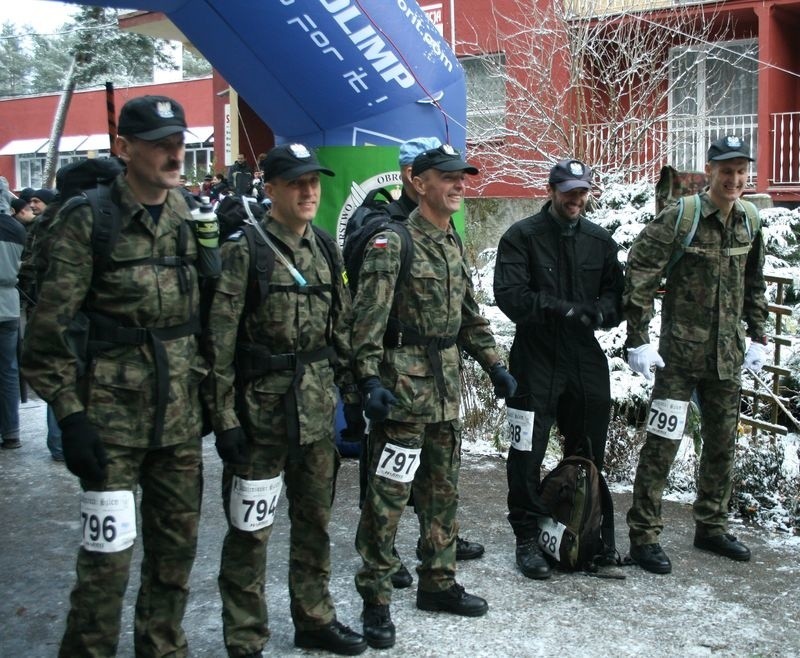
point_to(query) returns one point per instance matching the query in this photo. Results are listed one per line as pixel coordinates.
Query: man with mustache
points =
(711, 290)
(123, 384)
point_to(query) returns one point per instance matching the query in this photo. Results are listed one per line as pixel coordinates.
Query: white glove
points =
(756, 357)
(642, 359)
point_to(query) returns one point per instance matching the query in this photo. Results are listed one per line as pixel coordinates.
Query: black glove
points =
(378, 401)
(232, 447)
(588, 315)
(355, 424)
(504, 384)
(84, 453)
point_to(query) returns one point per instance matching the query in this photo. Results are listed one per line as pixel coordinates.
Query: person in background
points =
(711, 291)
(40, 198)
(12, 242)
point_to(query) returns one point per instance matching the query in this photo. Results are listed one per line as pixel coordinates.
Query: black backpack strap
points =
(106, 226)
(262, 265)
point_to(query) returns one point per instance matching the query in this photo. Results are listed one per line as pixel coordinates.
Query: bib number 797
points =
(398, 463)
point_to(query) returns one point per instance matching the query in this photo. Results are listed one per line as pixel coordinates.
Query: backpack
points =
(581, 530)
(232, 214)
(689, 218)
(366, 221)
(84, 181)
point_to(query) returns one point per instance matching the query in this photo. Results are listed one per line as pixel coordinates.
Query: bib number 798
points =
(398, 463)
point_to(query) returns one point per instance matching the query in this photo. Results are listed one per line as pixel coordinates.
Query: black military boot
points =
(378, 626)
(401, 578)
(334, 637)
(531, 561)
(468, 550)
(651, 557)
(454, 600)
(725, 545)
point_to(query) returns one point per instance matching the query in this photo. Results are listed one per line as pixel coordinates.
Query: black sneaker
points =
(531, 561)
(455, 600)
(378, 626)
(400, 578)
(334, 637)
(725, 545)
(10, 444)
(468, 550)
(651, 557)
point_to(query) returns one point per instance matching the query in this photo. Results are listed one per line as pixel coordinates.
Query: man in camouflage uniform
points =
(133, 418)
(408, 363)
(715, 286)
(274, 392)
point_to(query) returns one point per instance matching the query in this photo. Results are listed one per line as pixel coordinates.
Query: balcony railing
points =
(785, 149)
(636, 149)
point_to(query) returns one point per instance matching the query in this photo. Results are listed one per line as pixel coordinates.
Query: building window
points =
(486, 96)
(30, 167)
(714, 92)
(198, 161)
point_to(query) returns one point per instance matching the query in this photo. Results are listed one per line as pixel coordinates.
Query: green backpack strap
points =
(685, 227)
(753, 222)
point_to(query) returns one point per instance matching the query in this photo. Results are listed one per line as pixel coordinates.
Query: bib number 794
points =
(253, 502)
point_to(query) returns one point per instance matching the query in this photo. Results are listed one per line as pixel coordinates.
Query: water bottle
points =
(206, 229)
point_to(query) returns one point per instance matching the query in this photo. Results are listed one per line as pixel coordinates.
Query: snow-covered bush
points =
(766, 482)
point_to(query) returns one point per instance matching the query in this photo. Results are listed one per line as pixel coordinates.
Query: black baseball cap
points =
(568, 175)
(290, 161)
(151, 118)
(443, 158)
(728, 148)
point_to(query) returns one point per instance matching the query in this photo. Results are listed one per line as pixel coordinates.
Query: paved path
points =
(708, 606)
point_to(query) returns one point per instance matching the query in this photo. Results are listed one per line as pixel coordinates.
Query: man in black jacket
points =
(558, 278)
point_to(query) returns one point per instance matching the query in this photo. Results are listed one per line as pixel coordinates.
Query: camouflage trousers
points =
(436, 500)
(310, 485)
(171, 483)
(719, 412)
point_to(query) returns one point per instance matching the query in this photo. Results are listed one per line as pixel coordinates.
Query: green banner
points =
(359, 169)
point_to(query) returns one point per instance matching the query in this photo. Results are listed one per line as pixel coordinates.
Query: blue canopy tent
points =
(331, 72)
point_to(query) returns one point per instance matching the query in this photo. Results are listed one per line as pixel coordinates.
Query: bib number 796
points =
(108, 520)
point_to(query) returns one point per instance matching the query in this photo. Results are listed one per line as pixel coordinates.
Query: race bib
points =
(520, 428)
(667, 418)
(108, 521)
(253, 502)
(398, 463)
(550, 534)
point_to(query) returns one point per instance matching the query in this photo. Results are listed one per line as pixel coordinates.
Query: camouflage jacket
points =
(708, 295)
(118, 391)
(437, 300)
(287, 322)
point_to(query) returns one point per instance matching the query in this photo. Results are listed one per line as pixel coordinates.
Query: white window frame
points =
(486, 96)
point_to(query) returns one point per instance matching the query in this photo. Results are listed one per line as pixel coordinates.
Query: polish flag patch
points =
(381, 242)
